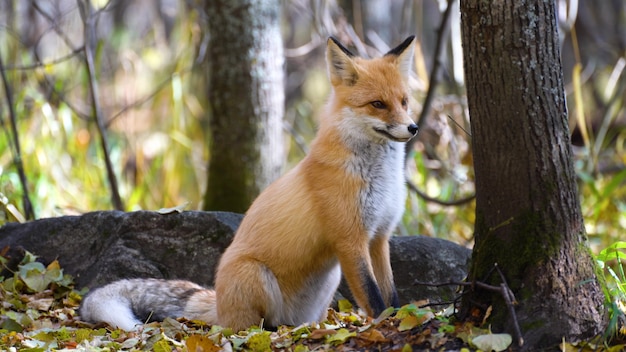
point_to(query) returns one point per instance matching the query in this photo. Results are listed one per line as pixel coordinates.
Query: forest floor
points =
(39, 312)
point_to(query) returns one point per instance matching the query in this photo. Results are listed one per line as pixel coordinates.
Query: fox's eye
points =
(405, 102)
(378, 104)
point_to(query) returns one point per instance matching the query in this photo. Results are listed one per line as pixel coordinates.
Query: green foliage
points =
(612, 260)
(37, 297)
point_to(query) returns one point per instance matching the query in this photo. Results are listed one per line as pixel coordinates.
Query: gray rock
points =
(100, 247)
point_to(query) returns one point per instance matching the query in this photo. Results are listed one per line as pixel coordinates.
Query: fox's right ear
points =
(341, 68)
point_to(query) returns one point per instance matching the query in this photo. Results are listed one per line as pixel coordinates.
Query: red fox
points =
(331, 214)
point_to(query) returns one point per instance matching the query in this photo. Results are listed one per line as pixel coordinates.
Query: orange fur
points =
(282, 264)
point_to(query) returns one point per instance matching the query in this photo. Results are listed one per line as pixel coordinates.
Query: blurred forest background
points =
(151, 85)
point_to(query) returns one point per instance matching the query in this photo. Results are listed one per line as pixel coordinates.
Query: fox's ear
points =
(404, 55)
(341, 68)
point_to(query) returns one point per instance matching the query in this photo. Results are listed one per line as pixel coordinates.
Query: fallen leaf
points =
(161, 346)
(493, 342)
(384, 315)
(199, 343)
(321, 333)
(176, 209)
(37, 277)
(260, 342)
(344, 306)
(408, 323)
(340, 336)
(42, 304)
(373, 335)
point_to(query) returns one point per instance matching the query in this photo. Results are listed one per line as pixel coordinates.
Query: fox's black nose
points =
(413, 128)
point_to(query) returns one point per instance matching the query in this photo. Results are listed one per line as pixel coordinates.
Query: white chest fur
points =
(381, 200)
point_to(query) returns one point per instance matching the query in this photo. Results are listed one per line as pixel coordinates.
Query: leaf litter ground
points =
(40, 305)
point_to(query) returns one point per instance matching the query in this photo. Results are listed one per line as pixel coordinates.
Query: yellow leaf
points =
(408, 323)
(301, 348)
(161, 346)
(54, 265)
(340, 337)
(344, 306)
(199, 343)
(260, 342)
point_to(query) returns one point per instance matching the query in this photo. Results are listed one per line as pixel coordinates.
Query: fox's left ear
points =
(404, 55)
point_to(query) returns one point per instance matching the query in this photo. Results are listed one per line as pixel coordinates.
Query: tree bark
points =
(246, 97)
(528, 216)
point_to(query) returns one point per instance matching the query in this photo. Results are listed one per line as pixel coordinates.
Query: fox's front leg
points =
(381, 263)
(357, 269)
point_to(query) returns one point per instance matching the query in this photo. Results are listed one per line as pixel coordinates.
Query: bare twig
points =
(17, 154)
(302, 50)
(428, 198)
(38, 64)
(86, 12)
(74, 50)
(503, 289)
(442, 34)
(55, 25)
(510, 300)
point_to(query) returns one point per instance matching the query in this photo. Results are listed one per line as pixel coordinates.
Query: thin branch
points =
(510, 300)
(39, 63)
(302, 50)
(86, 12)
(459, 126)
(51, 85)
(445, 203)
(55, 25)
(17, 154)
(442, 34)
(503, 289)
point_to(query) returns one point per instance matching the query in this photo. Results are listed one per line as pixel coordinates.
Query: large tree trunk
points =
(528, 217)
(246, 96)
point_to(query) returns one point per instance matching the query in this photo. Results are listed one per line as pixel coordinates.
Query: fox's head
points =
(372, 95)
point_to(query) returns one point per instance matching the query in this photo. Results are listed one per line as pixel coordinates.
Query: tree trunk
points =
(246, 97)
(528, 216)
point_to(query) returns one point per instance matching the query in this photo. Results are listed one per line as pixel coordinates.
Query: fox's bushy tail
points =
(128, 303)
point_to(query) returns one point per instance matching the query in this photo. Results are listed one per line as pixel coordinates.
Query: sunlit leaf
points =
(408, 323)
(384, 315)
(373, 335)
(260, 342)
(321, 333)
(301, 348)
(199, 343)
(344, 305)
(161, 346)
(493, 342)
(340, 337)
(176, 209)
(130, 343)
(42, 304)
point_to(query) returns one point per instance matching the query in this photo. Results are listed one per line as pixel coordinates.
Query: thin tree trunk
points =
(246, 96)
(528, 216)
